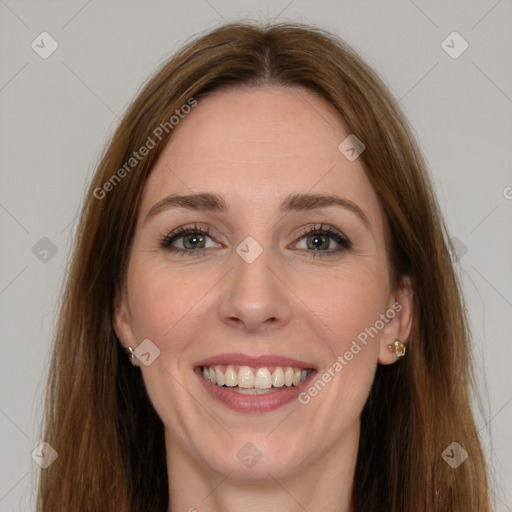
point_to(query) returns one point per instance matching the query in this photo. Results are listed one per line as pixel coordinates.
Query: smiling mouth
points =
(254, 381)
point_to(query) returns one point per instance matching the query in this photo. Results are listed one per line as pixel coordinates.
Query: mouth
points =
(254, 381)
(259, 384)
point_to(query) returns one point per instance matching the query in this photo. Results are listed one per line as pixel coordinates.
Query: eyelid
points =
(321, 227)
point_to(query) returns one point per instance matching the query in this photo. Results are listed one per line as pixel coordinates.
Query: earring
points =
(398, 348)
(131, 355)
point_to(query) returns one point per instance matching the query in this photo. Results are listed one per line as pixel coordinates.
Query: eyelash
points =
(339, 238)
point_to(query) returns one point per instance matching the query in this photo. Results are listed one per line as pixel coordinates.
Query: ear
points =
(400, 314)
(122, 322)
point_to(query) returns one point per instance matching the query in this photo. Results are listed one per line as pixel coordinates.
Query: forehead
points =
(253, 145)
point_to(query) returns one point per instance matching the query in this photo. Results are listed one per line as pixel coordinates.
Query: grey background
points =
(57, 113)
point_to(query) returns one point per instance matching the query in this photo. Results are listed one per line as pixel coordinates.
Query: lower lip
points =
(253, 403)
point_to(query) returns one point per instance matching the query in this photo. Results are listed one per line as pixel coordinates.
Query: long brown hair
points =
(98, 416)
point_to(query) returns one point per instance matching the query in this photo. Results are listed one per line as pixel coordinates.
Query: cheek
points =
(347, 310)
(346, 305)
(160, 299)
(346, 313)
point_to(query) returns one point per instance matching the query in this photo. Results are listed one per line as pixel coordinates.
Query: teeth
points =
(278, 378)
(288, 376)
(254, 391)
(245, 377)
(263, 379)
(230, 377)
(252, 381)
(220, 377)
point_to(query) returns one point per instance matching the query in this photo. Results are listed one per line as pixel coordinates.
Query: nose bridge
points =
(254, 295)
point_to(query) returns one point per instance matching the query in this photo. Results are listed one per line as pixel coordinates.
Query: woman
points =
(261, 243)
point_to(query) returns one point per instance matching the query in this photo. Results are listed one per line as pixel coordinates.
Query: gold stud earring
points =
(398, 348)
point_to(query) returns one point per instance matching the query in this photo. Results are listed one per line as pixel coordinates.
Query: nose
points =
(255, 297)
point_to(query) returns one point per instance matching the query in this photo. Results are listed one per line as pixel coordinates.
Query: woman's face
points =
(259, 284)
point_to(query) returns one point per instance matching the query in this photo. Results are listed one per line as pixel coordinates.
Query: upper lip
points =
(259, 361)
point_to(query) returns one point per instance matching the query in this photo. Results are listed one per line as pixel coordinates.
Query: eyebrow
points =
(292, 203)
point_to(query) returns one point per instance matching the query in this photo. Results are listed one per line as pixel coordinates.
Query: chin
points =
(248, 459)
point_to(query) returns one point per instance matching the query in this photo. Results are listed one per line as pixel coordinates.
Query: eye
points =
(192, 240)
(318, 239)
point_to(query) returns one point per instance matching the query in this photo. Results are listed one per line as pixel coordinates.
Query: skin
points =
(255, 147)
